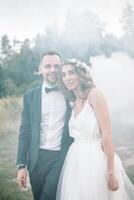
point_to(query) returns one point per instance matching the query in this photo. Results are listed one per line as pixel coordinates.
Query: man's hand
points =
(22, 177)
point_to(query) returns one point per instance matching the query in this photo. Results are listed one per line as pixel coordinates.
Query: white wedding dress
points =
(84, 172)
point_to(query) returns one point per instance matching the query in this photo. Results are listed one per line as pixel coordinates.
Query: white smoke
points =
(115, 78)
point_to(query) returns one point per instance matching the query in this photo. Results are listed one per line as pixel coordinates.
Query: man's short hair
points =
(50, 53)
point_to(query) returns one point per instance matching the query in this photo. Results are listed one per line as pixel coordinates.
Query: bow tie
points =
(47, 90)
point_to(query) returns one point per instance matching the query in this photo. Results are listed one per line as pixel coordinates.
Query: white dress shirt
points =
(52, 119)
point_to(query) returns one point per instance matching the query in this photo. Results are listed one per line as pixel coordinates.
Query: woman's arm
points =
(98, 102)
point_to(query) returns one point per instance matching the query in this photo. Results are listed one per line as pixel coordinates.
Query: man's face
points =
(49, 67)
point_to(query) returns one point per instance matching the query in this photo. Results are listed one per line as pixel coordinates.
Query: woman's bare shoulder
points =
(95, 96)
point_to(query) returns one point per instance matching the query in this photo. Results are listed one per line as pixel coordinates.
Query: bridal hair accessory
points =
(77, 63)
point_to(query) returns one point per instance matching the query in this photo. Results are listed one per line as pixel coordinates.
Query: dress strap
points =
(88, 100)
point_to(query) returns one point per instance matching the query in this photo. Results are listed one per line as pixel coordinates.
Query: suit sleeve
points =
(23, 144)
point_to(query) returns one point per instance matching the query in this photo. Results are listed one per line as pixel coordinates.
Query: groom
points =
(43, 138)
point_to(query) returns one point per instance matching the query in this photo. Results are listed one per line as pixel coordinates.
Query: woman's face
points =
(70, 78)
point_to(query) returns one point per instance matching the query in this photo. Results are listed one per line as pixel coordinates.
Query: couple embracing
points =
(68, 152)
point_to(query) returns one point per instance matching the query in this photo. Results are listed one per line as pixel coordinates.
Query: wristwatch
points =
(21, 166)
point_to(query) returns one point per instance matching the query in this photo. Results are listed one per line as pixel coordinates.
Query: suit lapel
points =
(65, 136)
(36, 106)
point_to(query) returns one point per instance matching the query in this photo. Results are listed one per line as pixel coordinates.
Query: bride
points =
(91, 170)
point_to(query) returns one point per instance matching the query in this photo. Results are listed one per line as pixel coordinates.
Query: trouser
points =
(44, 178)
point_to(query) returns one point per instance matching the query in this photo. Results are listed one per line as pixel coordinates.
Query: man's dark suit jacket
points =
(29, 136)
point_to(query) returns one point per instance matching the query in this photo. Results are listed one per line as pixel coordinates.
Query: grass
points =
(10, 114)
(9, 124)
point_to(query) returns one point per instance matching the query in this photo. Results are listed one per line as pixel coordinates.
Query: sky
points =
(26, 18)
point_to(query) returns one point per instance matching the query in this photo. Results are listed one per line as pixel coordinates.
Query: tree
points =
(127, 39)
(6, 48)
(22, 65)
(83, 34)
(110, 44)
(2, 83)
(128, 20)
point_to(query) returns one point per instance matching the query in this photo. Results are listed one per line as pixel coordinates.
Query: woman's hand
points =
(112, 182)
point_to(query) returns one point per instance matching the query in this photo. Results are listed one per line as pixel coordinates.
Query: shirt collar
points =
(46, 84)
